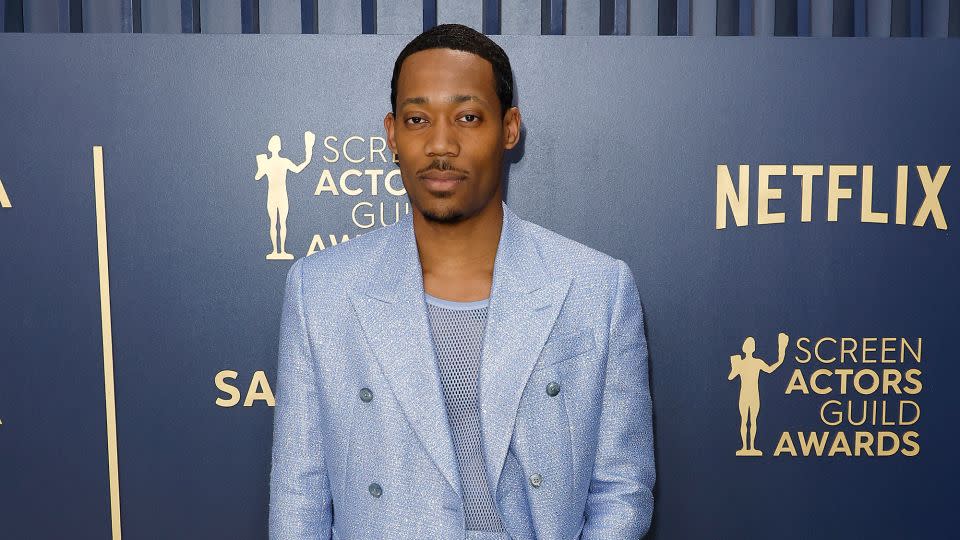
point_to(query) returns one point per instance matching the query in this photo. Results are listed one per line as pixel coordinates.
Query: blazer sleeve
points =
(300, 500)
(620, 499)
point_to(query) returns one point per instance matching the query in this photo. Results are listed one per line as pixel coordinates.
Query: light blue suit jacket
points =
(354, 318)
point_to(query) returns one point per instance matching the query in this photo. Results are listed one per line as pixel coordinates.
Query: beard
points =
(442, 210)
(443, 216)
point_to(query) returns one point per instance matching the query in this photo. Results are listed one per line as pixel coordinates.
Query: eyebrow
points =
(456, 98)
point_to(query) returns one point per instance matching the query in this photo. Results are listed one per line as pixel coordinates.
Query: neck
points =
(457, 259)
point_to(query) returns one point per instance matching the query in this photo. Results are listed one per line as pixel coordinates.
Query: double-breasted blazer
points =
(362, 446)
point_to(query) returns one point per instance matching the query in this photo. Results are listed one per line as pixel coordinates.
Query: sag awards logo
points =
(356, 167)
(864, 390)
(359, 169)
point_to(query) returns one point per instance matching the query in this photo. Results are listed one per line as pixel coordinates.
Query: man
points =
(472, 375)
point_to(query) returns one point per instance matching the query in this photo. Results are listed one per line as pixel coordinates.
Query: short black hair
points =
(461, 38)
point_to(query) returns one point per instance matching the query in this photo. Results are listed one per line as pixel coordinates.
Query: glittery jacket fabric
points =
(577, 463)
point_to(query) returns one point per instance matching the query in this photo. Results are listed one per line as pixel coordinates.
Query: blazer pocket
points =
(565, 346)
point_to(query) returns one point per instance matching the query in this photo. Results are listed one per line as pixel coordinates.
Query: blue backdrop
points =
(625, 147)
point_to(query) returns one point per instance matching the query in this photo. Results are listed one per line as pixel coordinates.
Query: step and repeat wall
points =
(787, 207)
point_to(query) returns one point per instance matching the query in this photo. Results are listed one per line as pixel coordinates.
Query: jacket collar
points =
(525, 299)
(400, 275)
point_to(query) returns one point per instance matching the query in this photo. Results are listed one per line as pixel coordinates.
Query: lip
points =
(442, 181)
(442, 176)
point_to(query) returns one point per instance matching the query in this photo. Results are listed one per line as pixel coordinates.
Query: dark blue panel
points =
(190, 16)
(606, 17)
(728, 17)
(860, 18)
(745, 13)
(785, 18)
(804, 18)
(491, 17)
(916, 18)
(900, 24)
(552, 17)
(429, 14)
(309, 22)
(667, 17)
(614, 17)
(906, 18)
(843, 19)
(12, 16)
(250, 16)
(953, 24)
(71, 16)
(368, 16)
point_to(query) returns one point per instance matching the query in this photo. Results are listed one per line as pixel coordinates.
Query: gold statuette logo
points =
(275, 168)
(348, 169)
(748, 368)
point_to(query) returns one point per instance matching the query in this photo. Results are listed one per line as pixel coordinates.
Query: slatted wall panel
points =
(821, 18)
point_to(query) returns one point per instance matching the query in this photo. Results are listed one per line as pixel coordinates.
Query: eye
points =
(473, 116)
(412, 118)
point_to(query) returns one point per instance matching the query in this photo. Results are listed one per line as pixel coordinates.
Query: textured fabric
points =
(457, 330)
(481, 535)
(354, 317)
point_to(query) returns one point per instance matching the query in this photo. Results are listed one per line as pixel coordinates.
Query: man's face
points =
(449, 135)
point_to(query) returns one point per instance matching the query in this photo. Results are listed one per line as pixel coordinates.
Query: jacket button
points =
(366, 395)
(375, 490)
(536, 480)
(553, 388)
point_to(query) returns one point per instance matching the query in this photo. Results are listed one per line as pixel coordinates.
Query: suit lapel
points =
(525, 300)
(393, 316)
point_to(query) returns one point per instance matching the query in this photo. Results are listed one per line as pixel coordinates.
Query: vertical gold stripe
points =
(105, 324)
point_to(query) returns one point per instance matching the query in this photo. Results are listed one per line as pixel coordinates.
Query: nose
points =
(442, 140)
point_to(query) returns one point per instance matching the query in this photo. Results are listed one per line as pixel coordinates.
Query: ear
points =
(511, 128)
(388, 127)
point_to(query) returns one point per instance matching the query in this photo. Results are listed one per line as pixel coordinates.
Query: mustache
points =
(438, 165)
